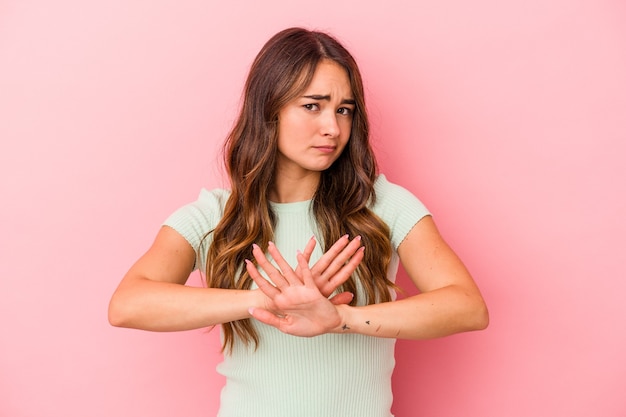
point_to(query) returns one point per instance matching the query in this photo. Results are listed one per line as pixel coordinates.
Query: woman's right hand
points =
(295, 305)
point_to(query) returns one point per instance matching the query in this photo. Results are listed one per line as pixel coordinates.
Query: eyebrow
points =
(327, 98)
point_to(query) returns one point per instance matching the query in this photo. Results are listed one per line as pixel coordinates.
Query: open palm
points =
(296, 304)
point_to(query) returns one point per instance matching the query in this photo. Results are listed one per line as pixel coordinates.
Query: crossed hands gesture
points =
(297, 302)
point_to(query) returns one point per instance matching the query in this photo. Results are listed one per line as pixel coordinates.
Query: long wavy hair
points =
(281, 72)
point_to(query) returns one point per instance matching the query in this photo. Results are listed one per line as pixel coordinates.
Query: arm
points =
(153, 295)
(449, 301)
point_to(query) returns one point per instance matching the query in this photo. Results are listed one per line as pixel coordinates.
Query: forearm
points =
(164, 306)
(434, 314)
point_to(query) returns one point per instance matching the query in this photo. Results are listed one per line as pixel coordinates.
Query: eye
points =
(311, 106)
(346, 111)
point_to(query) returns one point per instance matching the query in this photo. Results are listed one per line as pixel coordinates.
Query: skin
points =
(313, 131)
(449, 301)
(153, 295)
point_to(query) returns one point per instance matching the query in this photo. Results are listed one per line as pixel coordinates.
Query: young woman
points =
(302, 177)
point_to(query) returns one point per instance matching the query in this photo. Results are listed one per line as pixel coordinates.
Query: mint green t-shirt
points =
(288, 376)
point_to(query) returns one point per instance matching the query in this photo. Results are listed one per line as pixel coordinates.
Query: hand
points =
(335, 266)
(302, 309)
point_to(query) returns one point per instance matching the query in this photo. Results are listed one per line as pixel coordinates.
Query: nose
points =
(330, 127)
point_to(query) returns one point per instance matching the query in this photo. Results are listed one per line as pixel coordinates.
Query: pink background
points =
(508, 119)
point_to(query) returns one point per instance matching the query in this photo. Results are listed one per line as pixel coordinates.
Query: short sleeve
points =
(398, 208)
(195, 220)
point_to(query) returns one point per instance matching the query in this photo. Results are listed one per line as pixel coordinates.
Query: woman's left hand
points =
(302, 309)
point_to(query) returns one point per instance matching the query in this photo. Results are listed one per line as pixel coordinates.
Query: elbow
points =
(483, 320)
(479, 316)
(117, 314)
(474, 311)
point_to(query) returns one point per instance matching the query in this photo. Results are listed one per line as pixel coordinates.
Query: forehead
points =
(330, 77)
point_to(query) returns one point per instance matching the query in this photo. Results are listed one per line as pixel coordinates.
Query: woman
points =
(300, 165)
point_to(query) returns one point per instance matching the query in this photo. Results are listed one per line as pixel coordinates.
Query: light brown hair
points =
(281, 71)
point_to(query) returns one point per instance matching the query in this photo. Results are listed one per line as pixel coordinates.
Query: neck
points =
(290, 189)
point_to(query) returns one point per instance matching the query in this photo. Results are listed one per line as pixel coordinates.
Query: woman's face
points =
(314, 128)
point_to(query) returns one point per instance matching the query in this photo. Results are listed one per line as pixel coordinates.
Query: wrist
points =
(346, 324)
(256, 299)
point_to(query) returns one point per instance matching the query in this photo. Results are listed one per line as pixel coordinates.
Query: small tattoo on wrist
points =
(367, 322)
(345, 327)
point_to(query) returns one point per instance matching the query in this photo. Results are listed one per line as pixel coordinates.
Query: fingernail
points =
(255, 246)
(251, 310)
(347, 236)
(358, 237)
(270, 243)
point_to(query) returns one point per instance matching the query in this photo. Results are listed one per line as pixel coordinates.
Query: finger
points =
(264, 285)
(307, 276)
(341, 276)
(287, 273)
(341, 258)
(266, 317)
(342, 298)
(326, 259)
(274, 274)
(307, 252)
(308, 249)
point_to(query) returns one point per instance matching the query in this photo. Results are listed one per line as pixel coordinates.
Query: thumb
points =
(342, 298)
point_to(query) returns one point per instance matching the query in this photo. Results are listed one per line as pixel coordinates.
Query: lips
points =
(326, 149)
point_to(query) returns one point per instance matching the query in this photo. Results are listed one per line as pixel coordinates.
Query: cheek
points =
(285, 132)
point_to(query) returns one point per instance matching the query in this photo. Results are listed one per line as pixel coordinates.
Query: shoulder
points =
(386, 189)
(208, 204)
(194, 220)
(216, 197)
(393, 197)
(398, 207)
